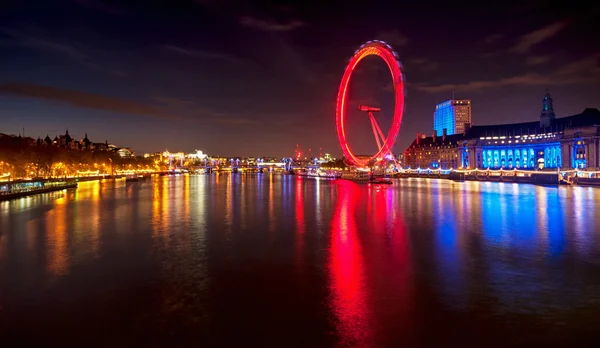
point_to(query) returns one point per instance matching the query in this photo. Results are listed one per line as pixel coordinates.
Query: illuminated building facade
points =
(125, 152)
(199, 155)
(551, 143)
(452, 115)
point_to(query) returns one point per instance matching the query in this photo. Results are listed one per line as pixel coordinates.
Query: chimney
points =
(444, 133)
(418, 136)
(434, 135)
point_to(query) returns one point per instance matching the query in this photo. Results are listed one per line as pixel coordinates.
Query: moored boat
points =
(361, 176)
(385, 181)
(134, 178)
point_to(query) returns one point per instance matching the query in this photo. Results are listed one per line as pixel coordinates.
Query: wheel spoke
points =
(374, 128)
(378, 133)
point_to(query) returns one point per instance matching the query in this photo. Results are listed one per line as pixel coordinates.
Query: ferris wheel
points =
(384, 142)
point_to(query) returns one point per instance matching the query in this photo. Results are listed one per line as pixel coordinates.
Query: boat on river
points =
(320, 173)
(385, 181)
(135, 178)
(359, 176)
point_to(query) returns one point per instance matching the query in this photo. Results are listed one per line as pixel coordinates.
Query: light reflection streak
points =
(492, 208)
(271, 207)
(165, 211)
(555, 220)
(542, 215)
(203, 202)
(399, 317)
(156, 209)
(591, 211)
(580, 222)
(300, 222)
(347, 271)
(317, 199)
(449, 252)
(93, 197)
(229, 203)
(242, 202)
(228, 209)
(186, 203)
(176, 201)
(57, 238)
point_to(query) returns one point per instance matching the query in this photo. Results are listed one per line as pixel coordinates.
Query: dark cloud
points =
(201, 54)
(192, 109)
(83, 100)
(491, 39)
(73, 52)
(536, 60)
(76, 53)
(525, 42)
(583, 71)
(266, 25)
(478, 86)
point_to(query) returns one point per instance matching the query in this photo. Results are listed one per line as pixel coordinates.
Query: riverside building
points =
(552, 143)
(452, 116)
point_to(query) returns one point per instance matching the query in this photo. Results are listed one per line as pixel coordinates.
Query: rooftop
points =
(589, 117)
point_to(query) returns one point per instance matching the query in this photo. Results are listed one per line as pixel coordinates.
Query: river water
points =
(271, 260)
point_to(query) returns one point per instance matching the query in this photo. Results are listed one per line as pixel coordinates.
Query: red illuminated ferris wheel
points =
(384, 142)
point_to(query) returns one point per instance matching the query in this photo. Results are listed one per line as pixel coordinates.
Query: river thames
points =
(273, 260)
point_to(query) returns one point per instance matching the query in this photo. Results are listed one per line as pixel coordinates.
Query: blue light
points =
(511, 156)
(444, 118)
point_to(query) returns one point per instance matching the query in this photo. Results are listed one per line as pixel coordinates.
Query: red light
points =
(385, 52)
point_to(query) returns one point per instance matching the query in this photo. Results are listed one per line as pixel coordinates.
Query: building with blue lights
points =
(451, 116)
(550, 143)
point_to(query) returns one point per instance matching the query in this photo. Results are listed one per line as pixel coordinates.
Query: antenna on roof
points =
(452, 94)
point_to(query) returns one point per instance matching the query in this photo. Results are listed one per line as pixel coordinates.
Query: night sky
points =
(239, 79)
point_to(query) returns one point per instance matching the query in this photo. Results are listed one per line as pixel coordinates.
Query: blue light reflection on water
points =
(513, 233)
(554, 214)
(450, 265)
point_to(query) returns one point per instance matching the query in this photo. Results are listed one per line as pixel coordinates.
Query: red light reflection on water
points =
(370, 268)
(346, 267)
(300, 222)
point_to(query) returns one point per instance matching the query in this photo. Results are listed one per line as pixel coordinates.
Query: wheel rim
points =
(385, 52)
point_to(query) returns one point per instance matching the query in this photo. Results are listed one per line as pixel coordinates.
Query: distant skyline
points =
(236, 79)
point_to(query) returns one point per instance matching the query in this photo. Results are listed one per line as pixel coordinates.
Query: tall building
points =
(451, 115)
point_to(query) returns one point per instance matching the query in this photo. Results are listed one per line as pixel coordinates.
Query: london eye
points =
(384, 142)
